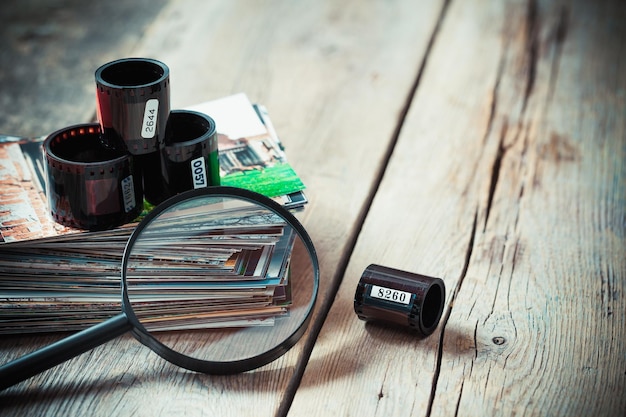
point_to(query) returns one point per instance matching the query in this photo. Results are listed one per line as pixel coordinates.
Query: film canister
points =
(89, 186)
(189, 157)
(404, 298)
(133, 104)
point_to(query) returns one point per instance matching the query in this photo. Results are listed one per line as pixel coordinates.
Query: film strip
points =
(133, 105)
(189, 156)
(100, 174)
(400, 297)
(89, 185)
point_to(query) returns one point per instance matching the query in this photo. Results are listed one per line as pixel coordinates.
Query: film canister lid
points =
(404, 298)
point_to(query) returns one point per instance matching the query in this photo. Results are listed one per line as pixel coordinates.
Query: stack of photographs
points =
(61, 284)
(216, 265)
(185, 272)
(223, 263)
(251, 154)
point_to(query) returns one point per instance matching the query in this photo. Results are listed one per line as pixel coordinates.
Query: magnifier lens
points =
(219, 278)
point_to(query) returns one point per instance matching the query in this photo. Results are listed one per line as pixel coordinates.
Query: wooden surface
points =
(482, 142)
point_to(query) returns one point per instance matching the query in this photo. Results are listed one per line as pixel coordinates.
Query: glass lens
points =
(221, 278)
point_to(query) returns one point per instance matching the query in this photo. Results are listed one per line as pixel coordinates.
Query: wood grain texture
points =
(508, 182)
(505, 177)
(335, 78)
(544, 291)
(49, 51)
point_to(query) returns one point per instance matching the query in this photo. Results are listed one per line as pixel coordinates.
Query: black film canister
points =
(90, 186)
(189, 156)
(400, 297)
(133, 103)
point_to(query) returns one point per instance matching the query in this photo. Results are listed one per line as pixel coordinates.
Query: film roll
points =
(90, 186)
(404, 298)
(133, 104)
(189, 157)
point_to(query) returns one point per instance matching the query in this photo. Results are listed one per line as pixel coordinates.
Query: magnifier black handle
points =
(59, 352)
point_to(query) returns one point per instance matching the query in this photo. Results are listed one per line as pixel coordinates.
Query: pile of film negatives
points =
(98, 177)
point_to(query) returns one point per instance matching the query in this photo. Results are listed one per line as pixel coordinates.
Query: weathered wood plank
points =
(335, 78)
(422, 220)
(544, 292)
(517, 128)
(49, 52)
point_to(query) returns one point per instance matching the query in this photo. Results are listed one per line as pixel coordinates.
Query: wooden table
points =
(478, 141)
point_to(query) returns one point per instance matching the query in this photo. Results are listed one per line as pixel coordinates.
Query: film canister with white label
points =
(88, 185)
(133, 104)
(400, 297)
(189, 157)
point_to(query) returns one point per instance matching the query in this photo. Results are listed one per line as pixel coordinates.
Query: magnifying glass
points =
(218, 280)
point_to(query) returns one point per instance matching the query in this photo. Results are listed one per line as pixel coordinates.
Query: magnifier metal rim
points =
(221, 367)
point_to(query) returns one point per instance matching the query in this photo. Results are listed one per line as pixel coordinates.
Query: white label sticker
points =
(148, 129)
(389, 294)
(128, 192)
(198, 172)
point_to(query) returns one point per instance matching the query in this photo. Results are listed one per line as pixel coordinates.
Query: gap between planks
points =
(324, 308)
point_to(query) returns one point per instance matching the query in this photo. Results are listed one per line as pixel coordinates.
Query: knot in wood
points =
(498, 340)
